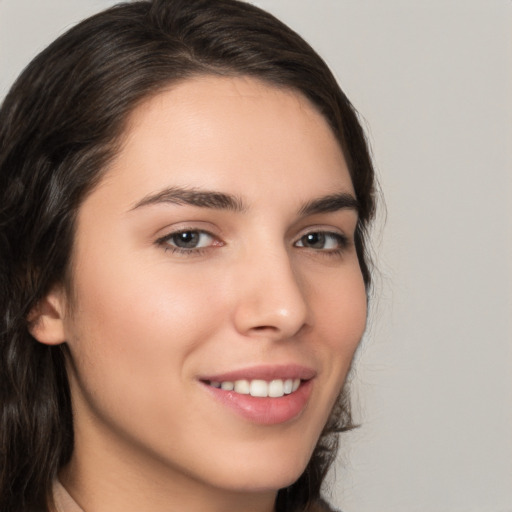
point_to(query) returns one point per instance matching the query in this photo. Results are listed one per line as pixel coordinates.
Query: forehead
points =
(229, 133)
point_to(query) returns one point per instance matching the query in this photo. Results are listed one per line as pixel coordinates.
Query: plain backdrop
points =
(432, 384)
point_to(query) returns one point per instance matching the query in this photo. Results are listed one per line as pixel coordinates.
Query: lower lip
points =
(265, 410)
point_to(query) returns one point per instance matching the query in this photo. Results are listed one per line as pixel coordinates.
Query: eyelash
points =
(196, 251)
(339, 239)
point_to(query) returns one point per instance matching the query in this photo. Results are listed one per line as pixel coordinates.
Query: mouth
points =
(263, 395)
(275, 388)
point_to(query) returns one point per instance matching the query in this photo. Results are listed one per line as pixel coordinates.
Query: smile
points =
(264, 395)
(275, 388)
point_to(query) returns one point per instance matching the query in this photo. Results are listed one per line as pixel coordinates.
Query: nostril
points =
(265, 328)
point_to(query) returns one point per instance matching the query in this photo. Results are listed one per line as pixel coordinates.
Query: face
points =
(217, 297)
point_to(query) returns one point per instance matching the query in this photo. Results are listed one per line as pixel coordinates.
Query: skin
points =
(145, 322)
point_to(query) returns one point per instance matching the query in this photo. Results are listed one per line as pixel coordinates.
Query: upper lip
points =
(263, 372)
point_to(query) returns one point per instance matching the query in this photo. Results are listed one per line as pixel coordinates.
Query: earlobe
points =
(46, 319)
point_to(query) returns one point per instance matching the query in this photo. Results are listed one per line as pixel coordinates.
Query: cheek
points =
(341, 307)
(137, 338)
(131, 327)
(340, 321)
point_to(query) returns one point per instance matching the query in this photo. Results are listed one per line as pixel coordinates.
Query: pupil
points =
(315, 240)
(186, 240)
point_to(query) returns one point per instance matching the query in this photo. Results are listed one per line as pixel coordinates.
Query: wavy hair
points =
(60, 125)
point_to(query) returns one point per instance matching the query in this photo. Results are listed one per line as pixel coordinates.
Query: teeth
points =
(227, 386)
(276, 388)
(260, 388)
(288, 386)
(243, 387)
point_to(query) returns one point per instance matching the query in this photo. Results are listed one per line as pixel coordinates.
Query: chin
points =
(271, 482)
(267, 474)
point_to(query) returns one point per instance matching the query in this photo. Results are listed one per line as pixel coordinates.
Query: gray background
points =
(432, 385)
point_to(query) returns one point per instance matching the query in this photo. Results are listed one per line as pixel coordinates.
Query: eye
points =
(323, 241)
(187, 240)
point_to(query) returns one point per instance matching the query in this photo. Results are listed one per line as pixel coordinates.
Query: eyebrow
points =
(194, 197)
(222, 201)
(330, 203)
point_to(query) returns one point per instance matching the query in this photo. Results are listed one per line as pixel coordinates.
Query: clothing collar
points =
(63, 501)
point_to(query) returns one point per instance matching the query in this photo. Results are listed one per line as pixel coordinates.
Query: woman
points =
(185, 193)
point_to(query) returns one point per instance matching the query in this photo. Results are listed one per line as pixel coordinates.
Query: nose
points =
(272, 300)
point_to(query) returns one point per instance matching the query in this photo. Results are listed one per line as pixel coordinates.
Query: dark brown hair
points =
(59, 127)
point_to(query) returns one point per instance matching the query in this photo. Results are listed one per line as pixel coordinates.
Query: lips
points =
(264, 395)
(264, 372)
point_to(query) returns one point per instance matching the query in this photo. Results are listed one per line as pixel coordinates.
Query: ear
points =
(46, 319)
